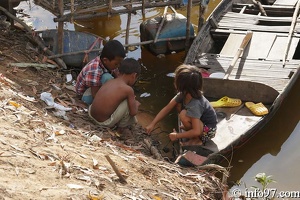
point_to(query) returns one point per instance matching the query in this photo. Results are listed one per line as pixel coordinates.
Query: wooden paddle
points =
(292, 28)
(239, 52)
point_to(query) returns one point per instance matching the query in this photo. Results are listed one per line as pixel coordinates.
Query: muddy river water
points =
(274, 150)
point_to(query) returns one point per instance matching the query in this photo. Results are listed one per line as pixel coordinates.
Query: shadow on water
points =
(272, 145)
(102, 26)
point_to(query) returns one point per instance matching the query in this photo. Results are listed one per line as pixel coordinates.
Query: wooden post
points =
(201, 18)
(11, 10)
(109, 8)
(143, 8)
(161, 24)
(188, 24)
(128, 27)
(60, 28)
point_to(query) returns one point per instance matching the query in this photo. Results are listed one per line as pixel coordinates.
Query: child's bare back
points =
(115, 100)
(108, 98)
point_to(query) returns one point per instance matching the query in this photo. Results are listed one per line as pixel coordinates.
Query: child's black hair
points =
(188, 79)
(129, 66)
(112, 49)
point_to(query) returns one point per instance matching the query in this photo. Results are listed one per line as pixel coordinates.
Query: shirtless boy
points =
(115, 104)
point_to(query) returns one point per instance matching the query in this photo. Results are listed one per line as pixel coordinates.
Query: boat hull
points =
(73, 42)
(265, 71)
(174, 27)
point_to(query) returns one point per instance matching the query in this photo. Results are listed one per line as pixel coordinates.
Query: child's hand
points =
(149, 129)
(115, 73)
(137, 103)
(173, 136)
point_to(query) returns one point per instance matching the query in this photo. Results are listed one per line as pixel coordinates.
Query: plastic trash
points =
(172, 75)
(145, 94)
(48, 99)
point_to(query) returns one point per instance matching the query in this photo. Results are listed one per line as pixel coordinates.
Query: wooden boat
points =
(262, 69)
(78, 47)
(167, 32)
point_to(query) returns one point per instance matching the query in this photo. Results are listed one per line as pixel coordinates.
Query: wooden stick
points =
(125, 45)
(261, 9)
(143, 8)
(201, 20)
(122, 179)
(239, 52)
(36, 65)
(153, 149)
(128, 27)
(60, 28)
(291, 32)
(161, 24)
(188, 24)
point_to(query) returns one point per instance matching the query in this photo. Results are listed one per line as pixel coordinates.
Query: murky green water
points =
(274, 150)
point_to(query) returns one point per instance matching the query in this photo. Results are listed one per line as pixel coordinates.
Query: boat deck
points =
(263, 59)
(269, 72)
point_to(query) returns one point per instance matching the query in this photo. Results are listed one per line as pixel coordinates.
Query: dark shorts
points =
(208, 133)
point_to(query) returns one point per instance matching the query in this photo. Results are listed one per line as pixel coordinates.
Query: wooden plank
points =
(225, 32)
(259, 45)
(239, 21)
(233, 42)
(285, 2)
(219, 61)
(266, 7)
(279, 46)
(239, 53)
(275, 19)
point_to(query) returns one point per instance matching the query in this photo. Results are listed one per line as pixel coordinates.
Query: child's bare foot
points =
(192, 142)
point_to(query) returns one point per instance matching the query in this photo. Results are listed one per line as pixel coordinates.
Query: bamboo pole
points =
(60, 28)
(161, 24)
(35, 37)
(11, 10)
(126, 45)
(143, 8)
(110, 7)
(291, 32)
(127, 29)
(201, 19)
(188, 25)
